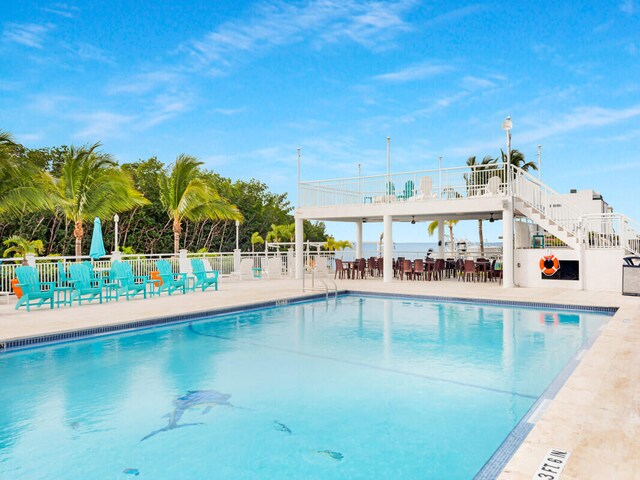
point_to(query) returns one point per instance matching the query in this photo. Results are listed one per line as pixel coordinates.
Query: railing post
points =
(507, 243)
(236, 259)
(31, 259)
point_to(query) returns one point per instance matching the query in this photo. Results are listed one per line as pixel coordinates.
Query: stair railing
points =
(546, 201)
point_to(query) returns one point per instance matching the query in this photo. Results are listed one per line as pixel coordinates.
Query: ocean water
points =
(361, 388)
(411, 250)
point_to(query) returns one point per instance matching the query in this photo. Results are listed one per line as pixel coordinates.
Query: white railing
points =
(143, 264)
(424, 185)
(611, 231)
(546, 201)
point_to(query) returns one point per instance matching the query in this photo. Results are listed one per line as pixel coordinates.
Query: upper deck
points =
(457, 192)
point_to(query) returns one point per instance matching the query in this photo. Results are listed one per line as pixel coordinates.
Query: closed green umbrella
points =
(97, 244)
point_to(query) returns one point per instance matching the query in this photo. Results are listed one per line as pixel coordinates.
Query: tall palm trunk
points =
(78, 233)
(177, 229)
(481, 237)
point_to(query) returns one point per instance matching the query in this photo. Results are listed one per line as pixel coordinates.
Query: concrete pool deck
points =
(595, 415)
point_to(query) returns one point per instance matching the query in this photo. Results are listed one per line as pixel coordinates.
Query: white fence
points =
(443, 184)
(143, 264)
(611, 231)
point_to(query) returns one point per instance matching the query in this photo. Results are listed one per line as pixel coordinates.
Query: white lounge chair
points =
(425, 192)
(184, 265)
(321, 264)
(274, 267)
(246, 269)
(493, 186)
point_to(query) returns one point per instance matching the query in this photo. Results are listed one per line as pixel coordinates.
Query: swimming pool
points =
(366, 387)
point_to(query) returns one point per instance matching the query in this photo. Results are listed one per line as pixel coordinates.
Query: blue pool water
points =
(366, 388)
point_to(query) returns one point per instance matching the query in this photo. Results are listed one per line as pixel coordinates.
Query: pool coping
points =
(32, 341)
(493, 466)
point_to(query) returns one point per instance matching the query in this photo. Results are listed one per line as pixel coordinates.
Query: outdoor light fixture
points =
(364, 220)
(491, 219)
(116, 219)
(507, 125)
(413, 220)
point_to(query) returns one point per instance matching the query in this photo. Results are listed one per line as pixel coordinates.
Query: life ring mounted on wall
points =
(549, 264)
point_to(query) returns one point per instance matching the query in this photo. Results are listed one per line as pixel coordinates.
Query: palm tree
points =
(332, 244)
(256, 238)
(92, 185)
(187, 195)
(24, 188)
(281, 233)
(21, 247)
(449, 223)
(479, 167)
(518, 160)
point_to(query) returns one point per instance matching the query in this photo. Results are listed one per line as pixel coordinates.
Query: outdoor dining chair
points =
(406, 270)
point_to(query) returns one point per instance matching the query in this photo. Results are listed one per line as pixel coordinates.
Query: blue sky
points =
(242, 84)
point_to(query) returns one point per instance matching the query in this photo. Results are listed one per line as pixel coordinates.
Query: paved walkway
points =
(596, 414)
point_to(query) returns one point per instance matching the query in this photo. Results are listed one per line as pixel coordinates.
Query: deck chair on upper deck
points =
(425, 192)
(493, 186)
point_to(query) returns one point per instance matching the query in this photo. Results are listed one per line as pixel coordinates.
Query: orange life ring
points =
(549, 265)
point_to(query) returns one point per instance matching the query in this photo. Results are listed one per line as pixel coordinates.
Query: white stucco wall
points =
(602, 269)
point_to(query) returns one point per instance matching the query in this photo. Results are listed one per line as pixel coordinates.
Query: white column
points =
(507, 244)
(299, 248)
(31, 259)
(359, 239)
(440, 239)
(236, 259)
(388, 249)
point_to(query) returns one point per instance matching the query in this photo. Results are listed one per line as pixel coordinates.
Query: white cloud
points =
(229, 111)
(628, 7)
(145, 82)
(475, 83)
(414, 72)
(372, 24)
(87, 52)
(102, 124)
(28, 34)
(579, 118)
(62, 10)
(165, 107)
(28, 137)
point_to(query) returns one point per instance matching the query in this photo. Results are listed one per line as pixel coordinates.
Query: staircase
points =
(551, 211)
(546, 208)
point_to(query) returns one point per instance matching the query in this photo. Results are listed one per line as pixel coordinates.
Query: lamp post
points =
(237, 234)
(440, 176)
(116, 219)
(507, 126)
(389, 158)
(539, 161)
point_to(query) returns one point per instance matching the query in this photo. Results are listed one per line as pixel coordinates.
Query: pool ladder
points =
(308, 271)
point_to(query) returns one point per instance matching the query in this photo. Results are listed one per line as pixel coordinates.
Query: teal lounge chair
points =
(204, 278)
(63, 278)
(408, 191)
(85, 287)
(34, 292)
(170, 281)
(129, 285)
